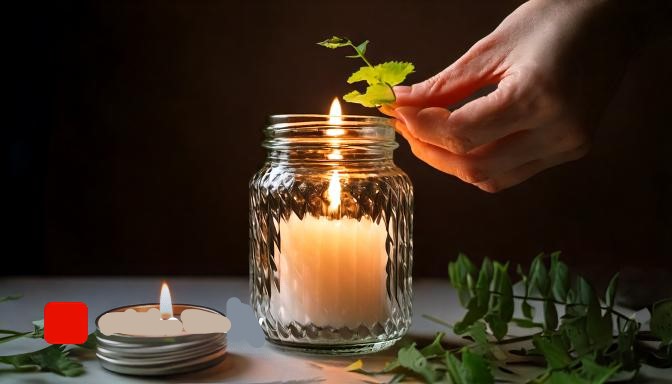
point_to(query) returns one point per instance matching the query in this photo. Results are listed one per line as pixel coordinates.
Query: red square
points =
(66, 322)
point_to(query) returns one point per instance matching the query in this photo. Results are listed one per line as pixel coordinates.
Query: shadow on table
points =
(234, 365)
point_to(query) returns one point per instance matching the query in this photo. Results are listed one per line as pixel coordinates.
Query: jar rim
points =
(281, 121)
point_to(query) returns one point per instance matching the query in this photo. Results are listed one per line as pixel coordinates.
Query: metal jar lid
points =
(163, 355)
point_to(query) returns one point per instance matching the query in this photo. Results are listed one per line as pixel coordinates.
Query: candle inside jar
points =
(332, 271)
(161, 321)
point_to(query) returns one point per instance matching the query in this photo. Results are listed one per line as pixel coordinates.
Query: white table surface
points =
(244, 363)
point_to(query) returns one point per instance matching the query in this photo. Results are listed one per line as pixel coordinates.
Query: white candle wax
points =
(332, 272)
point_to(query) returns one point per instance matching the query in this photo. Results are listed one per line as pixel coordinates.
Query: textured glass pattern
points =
(377, 195)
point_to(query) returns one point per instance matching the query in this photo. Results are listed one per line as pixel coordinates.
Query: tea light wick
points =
(166, 303)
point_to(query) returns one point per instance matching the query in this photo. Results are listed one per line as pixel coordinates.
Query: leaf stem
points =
(359, 54)
(530, 298)
(438, 321)
(518, 339)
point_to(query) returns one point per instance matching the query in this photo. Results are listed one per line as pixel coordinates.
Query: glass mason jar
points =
(331, 248)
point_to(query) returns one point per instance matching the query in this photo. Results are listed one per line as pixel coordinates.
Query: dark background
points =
(135, 126)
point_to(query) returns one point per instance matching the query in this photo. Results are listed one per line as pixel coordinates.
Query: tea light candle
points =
(332, 269)
(161, 322)
(159, 339)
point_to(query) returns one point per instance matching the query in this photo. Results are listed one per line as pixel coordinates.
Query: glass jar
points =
(331, 248)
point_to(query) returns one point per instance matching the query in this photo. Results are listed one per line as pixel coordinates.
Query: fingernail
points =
(388, 110)
(401, 90)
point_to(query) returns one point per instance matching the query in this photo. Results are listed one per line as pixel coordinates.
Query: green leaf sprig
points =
(380, 78)
(590, 344)
(54, 358)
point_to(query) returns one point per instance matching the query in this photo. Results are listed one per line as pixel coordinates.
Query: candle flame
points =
(165, 303)
(335, 118)
(334, 192)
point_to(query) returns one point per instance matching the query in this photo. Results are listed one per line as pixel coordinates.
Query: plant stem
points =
(438, 321)
(612, 310)
(518, 339)
(360, 54)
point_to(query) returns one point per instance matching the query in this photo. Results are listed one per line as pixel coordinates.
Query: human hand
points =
(555, 64)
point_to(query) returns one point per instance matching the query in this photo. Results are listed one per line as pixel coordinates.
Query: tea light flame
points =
(165, 303)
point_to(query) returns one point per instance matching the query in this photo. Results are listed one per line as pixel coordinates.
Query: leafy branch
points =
(380, 78)
(590, 343)
(54, 358)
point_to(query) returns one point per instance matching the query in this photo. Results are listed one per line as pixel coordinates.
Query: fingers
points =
(525, 171)
(507, 162)
(479, 122)
(444, 89)
(479, 67)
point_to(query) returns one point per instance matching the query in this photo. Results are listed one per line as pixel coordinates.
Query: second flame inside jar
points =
(334, 191)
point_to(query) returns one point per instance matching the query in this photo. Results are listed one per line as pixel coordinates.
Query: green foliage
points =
(54, 358)
(380, 78)
(590, 343)
(434, 364)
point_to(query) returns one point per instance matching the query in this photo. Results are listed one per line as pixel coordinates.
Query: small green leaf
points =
(368, 74)
(454, 369)
(10, 297)
(575, 330)
(498, 326)
(477, 331)
(435, 348)
(559, 275)
(458, 273)
(500, 310)
(556, 356)
(599, 327)
(361, 48)
(525, 307)
(335, 42)
(394, 72)
(483, 283)
(410, 358)
(474, 312)
(475, 369)
(584, 292)
(661, 320)
(595, 373)
(610, 295)
(550, 316)
(505, 290)
(539, 277)
(375, 95)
